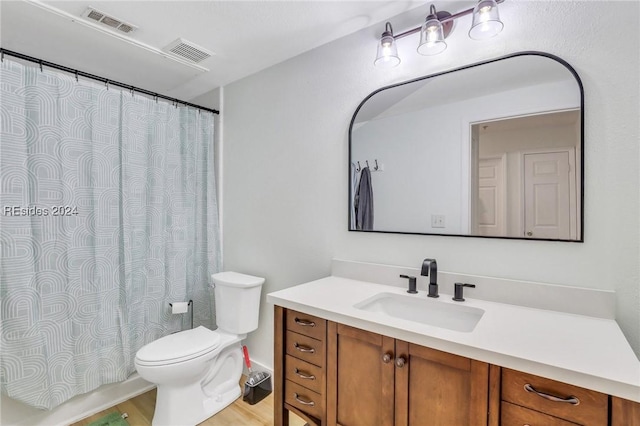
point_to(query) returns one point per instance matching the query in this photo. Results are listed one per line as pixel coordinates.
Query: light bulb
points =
(387, 56)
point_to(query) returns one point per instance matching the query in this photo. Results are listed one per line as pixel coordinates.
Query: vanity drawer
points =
(592, 408)
(514, 415)
(308, 375)
(303, 399)
(306, 324)
(305, 348)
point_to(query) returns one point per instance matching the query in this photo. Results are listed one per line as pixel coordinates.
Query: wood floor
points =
(140, 411)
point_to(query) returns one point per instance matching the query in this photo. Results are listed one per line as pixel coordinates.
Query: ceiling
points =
(246, 36)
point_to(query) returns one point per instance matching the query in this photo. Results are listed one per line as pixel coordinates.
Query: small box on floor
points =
(254, 393)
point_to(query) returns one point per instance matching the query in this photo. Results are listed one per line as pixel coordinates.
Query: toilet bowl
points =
(197, 372)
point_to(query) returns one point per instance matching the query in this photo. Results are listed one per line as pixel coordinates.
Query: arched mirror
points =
(493, 149)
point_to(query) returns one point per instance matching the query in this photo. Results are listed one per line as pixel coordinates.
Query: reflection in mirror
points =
(491, 150)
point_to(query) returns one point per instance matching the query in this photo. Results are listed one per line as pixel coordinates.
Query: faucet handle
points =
(412, 284)
(458, 289)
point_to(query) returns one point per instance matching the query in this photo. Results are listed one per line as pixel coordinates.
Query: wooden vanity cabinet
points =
(375, 380)
(299, 367)
(363, 378)
(371, 379)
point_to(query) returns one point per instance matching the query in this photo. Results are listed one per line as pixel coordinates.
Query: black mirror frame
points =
(512, 55)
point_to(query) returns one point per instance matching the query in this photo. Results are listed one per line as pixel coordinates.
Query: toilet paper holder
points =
(189, 305)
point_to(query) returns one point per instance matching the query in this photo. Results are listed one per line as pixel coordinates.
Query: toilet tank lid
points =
(235, 279)
(180, 346)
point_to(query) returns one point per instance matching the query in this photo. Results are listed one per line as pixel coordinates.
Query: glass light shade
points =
(431, 37)
(387, 53)
(486, 20)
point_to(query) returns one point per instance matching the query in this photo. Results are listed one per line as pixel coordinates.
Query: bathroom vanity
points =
(343, 356)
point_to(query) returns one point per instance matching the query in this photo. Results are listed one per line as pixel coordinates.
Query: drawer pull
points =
(303, 348)
(304, 323)
(571, 399)
(304, 376)
(302, 401)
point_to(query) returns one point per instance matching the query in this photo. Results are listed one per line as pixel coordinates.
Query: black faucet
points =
(430, 269)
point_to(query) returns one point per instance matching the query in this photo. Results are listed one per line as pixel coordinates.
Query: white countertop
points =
(584, 351)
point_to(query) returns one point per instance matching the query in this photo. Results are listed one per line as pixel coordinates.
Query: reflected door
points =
(490, 205)
(547, 195)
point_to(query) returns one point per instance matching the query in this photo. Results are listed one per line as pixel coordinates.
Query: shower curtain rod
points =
(108, 82)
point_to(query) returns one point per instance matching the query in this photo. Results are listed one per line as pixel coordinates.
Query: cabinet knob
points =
(529, 233)
(400, 361)
(386, 358)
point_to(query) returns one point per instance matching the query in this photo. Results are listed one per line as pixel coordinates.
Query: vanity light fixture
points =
(437, 26)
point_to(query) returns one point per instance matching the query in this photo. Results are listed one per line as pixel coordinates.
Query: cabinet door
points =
(360, 379)
(624, 412)
(435, 388)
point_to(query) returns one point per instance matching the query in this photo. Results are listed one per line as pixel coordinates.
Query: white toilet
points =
(197, 371)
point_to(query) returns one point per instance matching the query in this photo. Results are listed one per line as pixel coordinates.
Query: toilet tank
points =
(237, 299)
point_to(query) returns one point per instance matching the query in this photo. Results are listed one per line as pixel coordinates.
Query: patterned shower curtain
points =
(109, 213)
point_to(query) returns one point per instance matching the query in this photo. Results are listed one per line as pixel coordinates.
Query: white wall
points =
(286, 173)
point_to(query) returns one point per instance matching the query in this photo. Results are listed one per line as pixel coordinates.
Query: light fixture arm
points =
(388, 28)
(443, 20)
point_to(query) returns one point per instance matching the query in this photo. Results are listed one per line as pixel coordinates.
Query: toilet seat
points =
(179, 347)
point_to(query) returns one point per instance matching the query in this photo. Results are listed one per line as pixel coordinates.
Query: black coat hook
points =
(359, 167)
(376, 166)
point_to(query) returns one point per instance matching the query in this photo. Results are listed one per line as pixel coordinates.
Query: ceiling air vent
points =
(187, 50)
(110, 21)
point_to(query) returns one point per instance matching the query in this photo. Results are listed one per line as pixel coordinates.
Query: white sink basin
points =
(419, 308)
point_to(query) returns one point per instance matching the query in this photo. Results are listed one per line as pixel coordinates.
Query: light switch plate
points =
(437, 221)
